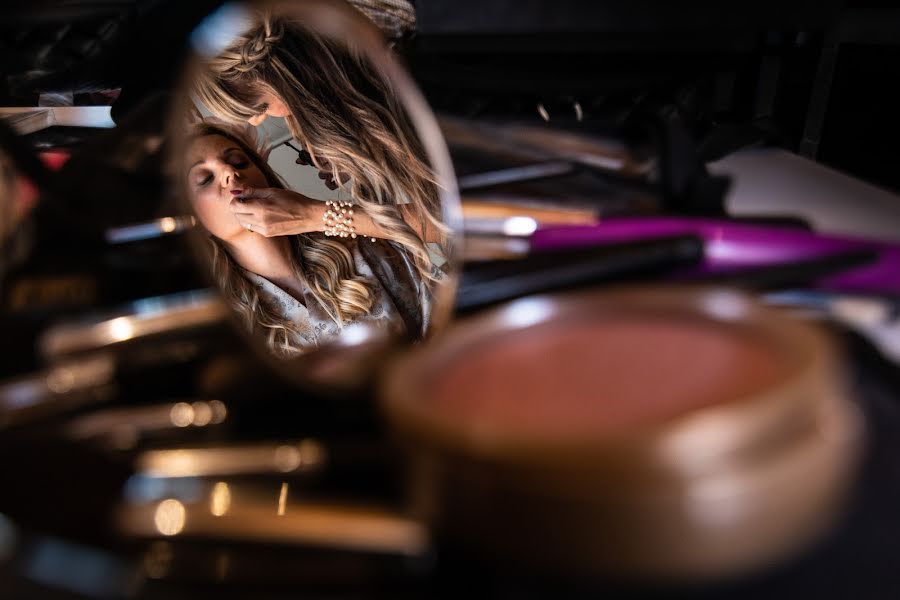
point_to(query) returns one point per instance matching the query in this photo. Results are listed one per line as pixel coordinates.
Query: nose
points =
(230, 175)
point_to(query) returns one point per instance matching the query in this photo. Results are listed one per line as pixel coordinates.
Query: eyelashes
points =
(261, 108)
(238, 161)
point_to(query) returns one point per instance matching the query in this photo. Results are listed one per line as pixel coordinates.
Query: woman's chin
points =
(235, 235)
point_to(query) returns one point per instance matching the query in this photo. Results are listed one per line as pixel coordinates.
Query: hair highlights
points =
(344, 113)
(325, 264)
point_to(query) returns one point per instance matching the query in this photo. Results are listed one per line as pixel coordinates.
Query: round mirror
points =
(322, 190)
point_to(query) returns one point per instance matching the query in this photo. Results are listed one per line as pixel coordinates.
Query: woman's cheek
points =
(214, 215)
(256, 178)
(201, 208)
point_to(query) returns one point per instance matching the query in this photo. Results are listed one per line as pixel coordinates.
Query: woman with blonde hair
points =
(298, 289)
(348, 120)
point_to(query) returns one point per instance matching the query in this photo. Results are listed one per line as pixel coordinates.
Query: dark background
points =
(815, 77)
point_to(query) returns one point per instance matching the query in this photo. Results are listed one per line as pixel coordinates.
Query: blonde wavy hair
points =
(343, 112)
(326, 265)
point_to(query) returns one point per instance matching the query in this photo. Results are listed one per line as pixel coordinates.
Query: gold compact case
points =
(667, 432)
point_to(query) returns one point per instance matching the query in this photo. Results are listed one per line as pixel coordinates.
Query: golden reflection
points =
(182, 414)
(203, 414)
(167, 224)
(170, 517)
(220, 499)
(282, 498)
(287, 458)
(311, 453)
(221, 461)
(60, 380)
(308, 453)
(121, 329)
(219, 412)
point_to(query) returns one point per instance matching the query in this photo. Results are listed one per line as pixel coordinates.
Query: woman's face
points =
(272, 106)
(218, 171)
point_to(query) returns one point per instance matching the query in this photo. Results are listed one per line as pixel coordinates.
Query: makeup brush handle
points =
(479, 209)
(791, 274)
(275, 519)
(731, 245)
(495, 281)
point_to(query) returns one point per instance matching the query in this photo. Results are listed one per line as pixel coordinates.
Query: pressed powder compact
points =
(646, 431)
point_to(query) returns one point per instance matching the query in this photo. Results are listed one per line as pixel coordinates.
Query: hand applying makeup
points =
(274, 212)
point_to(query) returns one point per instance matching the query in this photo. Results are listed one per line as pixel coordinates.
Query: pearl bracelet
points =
(338, 219)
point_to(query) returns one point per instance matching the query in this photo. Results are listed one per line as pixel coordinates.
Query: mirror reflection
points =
(303, 166)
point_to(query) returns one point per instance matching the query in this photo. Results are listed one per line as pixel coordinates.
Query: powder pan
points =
(705, 490)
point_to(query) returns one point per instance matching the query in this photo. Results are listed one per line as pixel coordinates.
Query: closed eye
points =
(237, 159)
(205, 181)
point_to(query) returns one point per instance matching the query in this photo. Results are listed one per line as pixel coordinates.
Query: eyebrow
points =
(201, 161)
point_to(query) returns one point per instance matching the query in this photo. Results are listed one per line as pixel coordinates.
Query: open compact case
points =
(646, 431)
(551, 371)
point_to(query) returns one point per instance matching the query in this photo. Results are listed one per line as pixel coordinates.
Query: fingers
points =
(254, 220)
(245, 218)
(247, 222)
(250, 193)
(269, 196)
(240, 204)
(244, 215)
(274, 195)
(254, 225)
